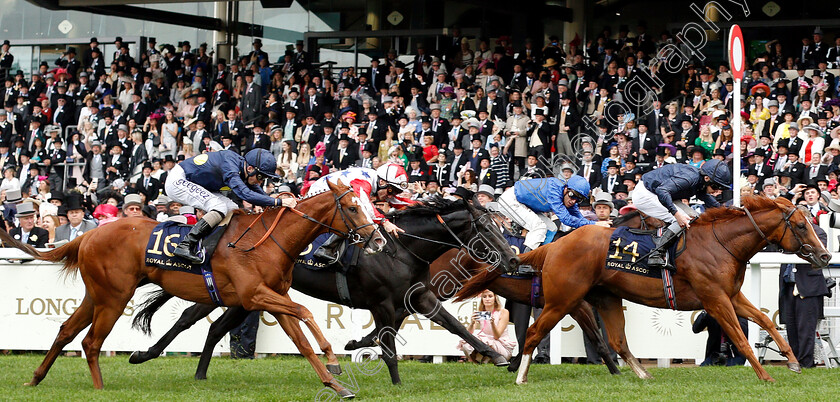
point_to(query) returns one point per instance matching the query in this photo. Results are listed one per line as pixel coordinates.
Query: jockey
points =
(383, 183)
(197, 182)
(659, 192)
(527, 198)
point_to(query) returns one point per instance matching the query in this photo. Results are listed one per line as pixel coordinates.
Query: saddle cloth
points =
(627, 249)
(166, 236)
(307, 259)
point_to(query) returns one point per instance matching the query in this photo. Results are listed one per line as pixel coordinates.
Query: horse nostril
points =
(514, 261)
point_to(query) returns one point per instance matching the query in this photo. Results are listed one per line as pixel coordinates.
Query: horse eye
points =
(801, 225)
(352, 209)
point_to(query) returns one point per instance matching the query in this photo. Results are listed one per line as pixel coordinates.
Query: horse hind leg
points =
(613, 317)
(743, 308)
(77, 322)
(585, 317)
(188, 318)
(228, 321)
(104, 318)
(722, 310)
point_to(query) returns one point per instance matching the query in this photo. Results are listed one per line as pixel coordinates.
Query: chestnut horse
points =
(111, 262)
(709, 275)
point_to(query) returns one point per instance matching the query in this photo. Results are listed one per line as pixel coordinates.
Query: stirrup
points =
(328, 254)
(526, 270)
(184, 251)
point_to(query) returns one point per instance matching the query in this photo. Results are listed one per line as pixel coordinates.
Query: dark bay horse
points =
(110, 260)
(391, 284)
(709, 275)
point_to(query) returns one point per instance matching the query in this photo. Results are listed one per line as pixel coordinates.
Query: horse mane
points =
(435, 205)
(753, 203)
(621, 220)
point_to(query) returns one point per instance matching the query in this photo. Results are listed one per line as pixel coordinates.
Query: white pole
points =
(736, 144)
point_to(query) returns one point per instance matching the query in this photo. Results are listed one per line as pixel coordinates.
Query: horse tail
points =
(68, 253)
(482, 280)
(153, 302)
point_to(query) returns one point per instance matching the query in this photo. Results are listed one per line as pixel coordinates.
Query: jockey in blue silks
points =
(525, 202)
(660, 192)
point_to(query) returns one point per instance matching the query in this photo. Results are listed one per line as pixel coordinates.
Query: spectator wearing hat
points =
(137, 110)
(76, 225)
(603, 206)
(539, 135)
(611, 178)
(27, 232)
(116, 164)
(133, 206)
(760, 168)
(148, 185)
(344, 155)
(814, 144)
(567, 125)
(516, 130)
(251, 101)
(486, 175)
(644, 145)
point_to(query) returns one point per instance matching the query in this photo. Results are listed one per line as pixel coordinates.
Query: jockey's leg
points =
(329, 250)
(178, 188)
(648, 203)
(525, 217)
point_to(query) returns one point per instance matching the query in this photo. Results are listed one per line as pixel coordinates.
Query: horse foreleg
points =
(427, 304)
(369, 340)
(743, 308)
(188, 318)
(585, 317)
(609, 307)
(385, 336)
(722, 310)
(231, 319)
(292, 328)
(78, 321)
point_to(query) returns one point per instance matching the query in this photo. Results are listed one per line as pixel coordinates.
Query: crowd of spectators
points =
(474, 112)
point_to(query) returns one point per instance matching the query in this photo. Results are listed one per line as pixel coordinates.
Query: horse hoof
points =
(334, 369)
(500, 361)
(522, 382)
(795, 368)
(344, 393)
(136, 357)
(514, 364)
(30, 384)
(352, 345)
(200, 377)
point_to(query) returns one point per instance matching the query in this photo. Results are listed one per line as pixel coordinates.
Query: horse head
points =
(354, 220)
(793, 232)
(457, 224)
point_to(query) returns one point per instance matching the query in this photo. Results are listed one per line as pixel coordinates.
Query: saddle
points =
(628, 252)
(166, 236)
(348, 259)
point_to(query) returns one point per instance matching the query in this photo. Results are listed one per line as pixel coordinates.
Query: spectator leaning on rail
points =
(659, 192)
(525, 202)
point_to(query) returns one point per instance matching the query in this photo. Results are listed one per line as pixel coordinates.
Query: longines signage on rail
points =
(35, 299)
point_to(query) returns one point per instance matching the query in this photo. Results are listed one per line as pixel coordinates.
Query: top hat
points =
(25, 209)
(74, 201)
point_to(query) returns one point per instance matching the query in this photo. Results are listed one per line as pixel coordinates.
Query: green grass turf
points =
(291, 378)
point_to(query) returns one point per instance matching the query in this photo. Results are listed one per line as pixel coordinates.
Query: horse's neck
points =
(738, 236)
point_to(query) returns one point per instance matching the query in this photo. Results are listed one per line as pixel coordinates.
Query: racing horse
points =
(708, 275)
(391, 284)
(256, 274)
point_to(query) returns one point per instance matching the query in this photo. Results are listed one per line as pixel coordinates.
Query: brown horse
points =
(111, 262)
(709, 275)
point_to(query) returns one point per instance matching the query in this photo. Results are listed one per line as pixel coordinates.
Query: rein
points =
(351, 234)
(460, 243)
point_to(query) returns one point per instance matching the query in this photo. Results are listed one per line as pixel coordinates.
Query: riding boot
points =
(329, 250)
(656, 259)
(185, 248)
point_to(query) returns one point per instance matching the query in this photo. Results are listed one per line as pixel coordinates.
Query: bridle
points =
(805, 251)
(352, 234)
(460, 243)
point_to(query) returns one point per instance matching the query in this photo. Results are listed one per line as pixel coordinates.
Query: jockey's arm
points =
(252, 195)
(708, 200)
(570, 217)
(664, 191)
(363, 189)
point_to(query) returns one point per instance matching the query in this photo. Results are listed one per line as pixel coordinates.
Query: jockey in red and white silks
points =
(365, 183)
